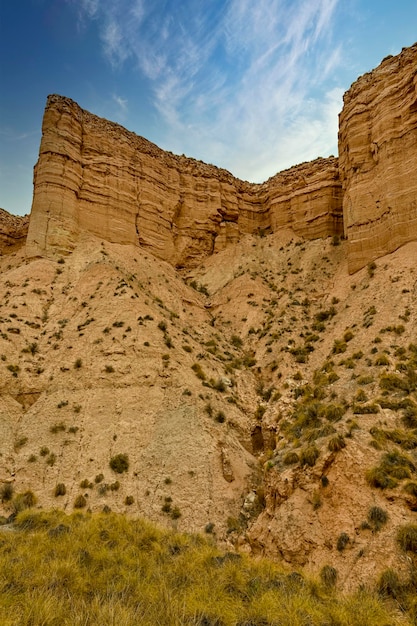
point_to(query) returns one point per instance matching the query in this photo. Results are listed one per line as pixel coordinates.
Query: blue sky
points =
(253, 86)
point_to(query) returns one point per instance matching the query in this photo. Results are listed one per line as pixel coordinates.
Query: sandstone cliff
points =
(95, 176)
(269, 396)
(13, 231)
(378, 157)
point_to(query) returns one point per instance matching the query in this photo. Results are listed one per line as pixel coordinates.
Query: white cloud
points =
(241, 84)
(121, 102)
(86, 10)
(10, 134)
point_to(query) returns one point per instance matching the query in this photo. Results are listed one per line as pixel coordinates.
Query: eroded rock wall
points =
(13, 231)
(378, 159)
(93, 175)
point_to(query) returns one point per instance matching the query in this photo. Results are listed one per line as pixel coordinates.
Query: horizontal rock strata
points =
(93, 175)
(13, 231)
(377, 159)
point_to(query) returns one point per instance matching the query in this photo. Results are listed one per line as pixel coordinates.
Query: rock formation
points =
(13, 231)
(378, 156)
(268, 396)
(95, 176)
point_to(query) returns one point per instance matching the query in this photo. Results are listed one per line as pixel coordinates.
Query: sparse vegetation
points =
(80, 502)
(60, 490)
(6, 492)
(336, 443)
(342, 541)
(309, 455)
(119, 463)
(78, 570)
(407, 538)
(328, 576)
(377, 517)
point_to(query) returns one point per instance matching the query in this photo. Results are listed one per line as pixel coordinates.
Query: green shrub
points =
(80, 502)
(377, 517)
(323, 316)
(6, 492)
(361, 396)
(236, 341)
(339, 346)
(168, 341)
(60, 490)
(407, 538)
(381, 360)
(328, 576)
(365, 380)
(334, 412)
(57, 428)
(409, 417)
(23, 501)
(411, 489)
(51, 459)
(394, 466)
(342, 541)
(309, 455)
(129, 500)
(198, 370)
(290, 458)
(336, 443)
(260, 412)
(119, 463)
(395, 459)
(220, 417)
(378, 477)
(394, 382)
(14, 369)
(389, 584)
(175, 513)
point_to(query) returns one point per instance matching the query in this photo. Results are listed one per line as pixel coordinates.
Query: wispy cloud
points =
(10, 134)
(86, 10)
(237, 83)
(121, 102)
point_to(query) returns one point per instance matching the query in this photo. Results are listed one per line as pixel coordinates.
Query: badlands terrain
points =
(218, 357)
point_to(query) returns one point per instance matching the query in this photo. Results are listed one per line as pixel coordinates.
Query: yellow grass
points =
(78, 570)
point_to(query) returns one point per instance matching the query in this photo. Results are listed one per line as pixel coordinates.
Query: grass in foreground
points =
(100, 569)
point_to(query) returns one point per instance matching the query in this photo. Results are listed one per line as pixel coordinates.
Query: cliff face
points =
(13, 231)
(377, 157)
(95, 176)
